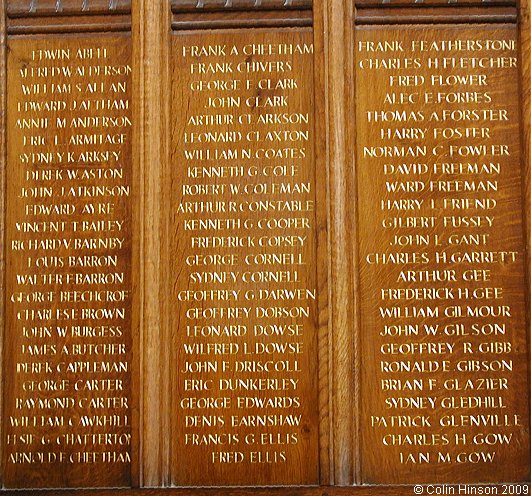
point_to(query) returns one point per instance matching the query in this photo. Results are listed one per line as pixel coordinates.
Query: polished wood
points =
(400, 490)
(199, 6)
(67, 16)
(68, 354)
(3, 164)
(343, 327)
(524, 40)
(339, 383)
(425, 15)
(266, 208)
(30, 8)
(151, 128)
(244, 19)
(326, 456)
(66, 25)
(446, 445)
(415, 4)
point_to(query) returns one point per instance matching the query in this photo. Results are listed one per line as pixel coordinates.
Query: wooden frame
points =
(339, 323)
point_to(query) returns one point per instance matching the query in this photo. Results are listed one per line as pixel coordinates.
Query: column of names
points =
(244, 207)
(442, 255)
(68, 294)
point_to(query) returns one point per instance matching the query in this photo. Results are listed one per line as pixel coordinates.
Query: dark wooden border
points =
(524, 41)
(31, 8)
(427, 15)
(454, 4)
(3, 160)
(67, 16)
(200, 6)
(244, 19)
(67, 24)
(408, 490)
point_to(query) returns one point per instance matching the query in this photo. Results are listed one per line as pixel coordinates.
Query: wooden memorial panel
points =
(243, 247)
(67, 346)
(253, 242)
(444, 377)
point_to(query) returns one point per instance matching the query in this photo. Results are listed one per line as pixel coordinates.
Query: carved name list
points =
(68, 285)
(243, 204)
(441, 254)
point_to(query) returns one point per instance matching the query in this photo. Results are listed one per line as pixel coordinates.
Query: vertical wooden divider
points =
(320, 33)
(344, 324)
(3, 159)
(524, 39)
(150, 59)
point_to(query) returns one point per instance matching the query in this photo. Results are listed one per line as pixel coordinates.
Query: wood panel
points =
(244, 287)
(67, 16)
(245, 19)
(341, 358)
(343, 323)
(425, 15)
(524, 40)
(444, 347)
(68, 343)
(398, 490)
(326, 433)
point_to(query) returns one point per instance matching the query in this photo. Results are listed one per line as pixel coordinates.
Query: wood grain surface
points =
(337, 369)
(441, 255)
(67, 361)
(244, 302)
(525, 85)
(367, 490)
(343, 322)
(3, 160)
(151, 214)
(326, 433)
(25, 8)
(231, 5)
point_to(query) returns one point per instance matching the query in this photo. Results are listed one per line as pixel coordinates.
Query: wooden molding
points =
(525, 112)
(421, 14)
(402, 490)
(242, 19)
(150, 58)
(343, 330)
(3, 163)
(26, 8)
(65, 24)
(455, 4)
(67, 16)
(322, 174)
(231, 5)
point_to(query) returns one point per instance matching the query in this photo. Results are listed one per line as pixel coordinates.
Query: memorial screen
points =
(264, 243)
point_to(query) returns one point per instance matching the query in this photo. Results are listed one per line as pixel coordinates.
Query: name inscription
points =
(243, 201)
(68, 283)
(441, 254)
